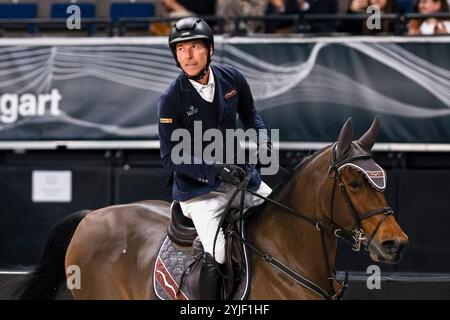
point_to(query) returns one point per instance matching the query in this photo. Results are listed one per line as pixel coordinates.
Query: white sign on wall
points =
(51, 186)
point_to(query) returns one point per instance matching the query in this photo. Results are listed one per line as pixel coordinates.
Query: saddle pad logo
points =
(230, 94)
(192, 110)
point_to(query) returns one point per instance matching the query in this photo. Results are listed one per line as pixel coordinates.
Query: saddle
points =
(176, 255)
(181, 229)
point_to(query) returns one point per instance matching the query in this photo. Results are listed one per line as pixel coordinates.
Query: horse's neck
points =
(294, 241)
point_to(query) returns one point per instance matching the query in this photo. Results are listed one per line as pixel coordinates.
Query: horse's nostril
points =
(391, 246)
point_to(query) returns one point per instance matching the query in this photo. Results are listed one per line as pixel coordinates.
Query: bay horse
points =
(329, 195)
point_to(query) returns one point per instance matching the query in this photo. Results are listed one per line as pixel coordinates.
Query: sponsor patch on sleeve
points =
(165, 120)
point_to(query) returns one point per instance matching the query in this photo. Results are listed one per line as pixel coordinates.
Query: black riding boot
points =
(204, 279)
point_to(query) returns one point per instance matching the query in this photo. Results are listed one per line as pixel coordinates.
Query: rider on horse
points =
(212, 95)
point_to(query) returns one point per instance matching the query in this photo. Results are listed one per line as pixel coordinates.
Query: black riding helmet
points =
(191, 28)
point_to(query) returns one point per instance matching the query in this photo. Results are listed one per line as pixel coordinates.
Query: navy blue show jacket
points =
(180, 105)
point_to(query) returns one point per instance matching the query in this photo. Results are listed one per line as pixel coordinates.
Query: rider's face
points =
(192, 56)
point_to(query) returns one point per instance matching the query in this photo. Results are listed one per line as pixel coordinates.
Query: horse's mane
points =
(286, 180)
(294, 172)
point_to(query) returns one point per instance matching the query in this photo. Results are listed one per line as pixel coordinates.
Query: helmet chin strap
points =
(199, 75)
(202, 72)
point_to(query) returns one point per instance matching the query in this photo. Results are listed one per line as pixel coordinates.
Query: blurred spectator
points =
(360, 6)
(432, 25)
(179, 8)
(297, 7)
(229, 9)
(342, 6)
(282, 7)
(321, 7)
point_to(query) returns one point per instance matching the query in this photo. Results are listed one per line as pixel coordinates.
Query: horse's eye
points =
(354, 184)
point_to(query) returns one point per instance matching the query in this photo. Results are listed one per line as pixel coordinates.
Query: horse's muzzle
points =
(389, 250)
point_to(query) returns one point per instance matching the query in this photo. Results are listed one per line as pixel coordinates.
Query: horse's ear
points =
(368, 139)
(345, 139)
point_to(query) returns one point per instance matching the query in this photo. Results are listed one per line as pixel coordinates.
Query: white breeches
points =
(206, 212)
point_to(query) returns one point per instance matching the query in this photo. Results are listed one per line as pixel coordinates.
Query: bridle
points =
(357, 231)
(356, 234)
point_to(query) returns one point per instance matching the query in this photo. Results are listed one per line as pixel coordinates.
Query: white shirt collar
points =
(198, 86)
(206, 91)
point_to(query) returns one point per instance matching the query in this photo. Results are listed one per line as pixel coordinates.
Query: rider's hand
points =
(231, 173)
